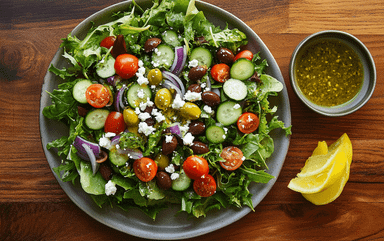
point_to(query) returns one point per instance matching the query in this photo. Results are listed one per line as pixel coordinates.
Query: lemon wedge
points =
(329, 194)
(320, 181)
(320, 162)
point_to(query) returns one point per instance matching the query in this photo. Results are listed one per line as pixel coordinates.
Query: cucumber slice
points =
(170, 37)
(202, 55)
(79, 89)
(215, 134)
(95, 119)
(227, 114)
(182, 183)
(242, 69)
(235, 89)
(137, 94)
(106, 69)
(117, 159)
(163, 56)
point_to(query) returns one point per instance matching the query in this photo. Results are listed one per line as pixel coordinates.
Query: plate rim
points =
(236, 214)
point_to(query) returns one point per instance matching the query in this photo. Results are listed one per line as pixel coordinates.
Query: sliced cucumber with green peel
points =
(235, 89)
(202, 55)
(95, 119)
(107, 68)
(215, 134)
(170, 37)
(228, 113)
(182, 183)
(117, 159)
(242, 69)
(137, 94)
(79, 89)
(163, 56)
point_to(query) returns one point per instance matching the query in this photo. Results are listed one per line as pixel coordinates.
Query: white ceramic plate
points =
(167, 226)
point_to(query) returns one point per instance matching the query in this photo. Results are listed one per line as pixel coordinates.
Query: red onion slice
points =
(92, 158)
(81, 152)
(169, 85)
(173, 78)
(179, 61)
(118, 103)
(175, 129)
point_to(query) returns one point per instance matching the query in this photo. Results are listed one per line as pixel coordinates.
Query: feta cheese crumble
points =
(177, 102)
(193, 63)
(188, 139)
(168, 139)
(174, 176)
(237, 106)
(143, 116)
(170, 168)
(145, 129)
(192, 96)
(207, 109)
(110, 188)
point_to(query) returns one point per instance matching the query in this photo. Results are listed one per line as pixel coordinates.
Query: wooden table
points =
(34, 207)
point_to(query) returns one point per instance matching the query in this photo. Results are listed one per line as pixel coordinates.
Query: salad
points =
(163, 107)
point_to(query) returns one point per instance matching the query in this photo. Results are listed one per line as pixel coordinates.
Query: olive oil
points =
(329, 73)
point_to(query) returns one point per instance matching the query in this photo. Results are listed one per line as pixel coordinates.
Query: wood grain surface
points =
(34, 207)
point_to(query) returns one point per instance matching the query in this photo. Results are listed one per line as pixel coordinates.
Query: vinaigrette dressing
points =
(329, 73)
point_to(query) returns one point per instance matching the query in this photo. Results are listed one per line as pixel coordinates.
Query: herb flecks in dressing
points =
(329, 73)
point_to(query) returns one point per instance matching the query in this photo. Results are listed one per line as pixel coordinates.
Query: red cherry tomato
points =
(233, 157)
(108, 42)
(126, 65)
(115, 123)
(205, 186)
(145, 169)
(97, 95)
(244, 54)
(248, 122)
(195, 167)
(220, 72)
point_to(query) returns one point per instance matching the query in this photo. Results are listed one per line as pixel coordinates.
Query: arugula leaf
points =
(62, 105)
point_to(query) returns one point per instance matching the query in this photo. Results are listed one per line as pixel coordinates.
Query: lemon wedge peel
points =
(320, 181)
(329, 194)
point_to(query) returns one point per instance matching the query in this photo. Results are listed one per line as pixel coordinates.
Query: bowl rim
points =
(369, 73)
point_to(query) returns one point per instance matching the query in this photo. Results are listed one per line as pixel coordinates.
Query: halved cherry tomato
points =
(244, 54)
(205, 186)
(220, 72)
(248, 122)
(108, 42)
(115, 123)
(126, 65)
(97, 95)
(233, 157)
(195, 167)
(145, 169)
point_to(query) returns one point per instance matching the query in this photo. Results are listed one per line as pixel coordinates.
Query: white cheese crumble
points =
(137, 111)
(174, 176)
(168, 139)
(140, 93)
(193, 63)
(110, 188)
(143, 116)
(109, 134)
(170, 168)
(145, 129)
(192, 96)
(177, 102)
(207, 109)
(237, 106)
(105, 142)
(188, 139)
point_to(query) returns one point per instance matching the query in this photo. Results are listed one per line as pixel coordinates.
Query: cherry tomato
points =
(108, 42)
(244, 54)
(233, 157)
(145, 169)
(97, 95)
(126, 65)
(248, 122)
(195, 167)
(115, 123)
(205, 186)
(220, 72)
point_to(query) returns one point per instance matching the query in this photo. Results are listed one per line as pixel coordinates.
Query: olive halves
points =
(151, 44)
(197, 72)
(225, 55)
(210, 98)
(163, 180)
